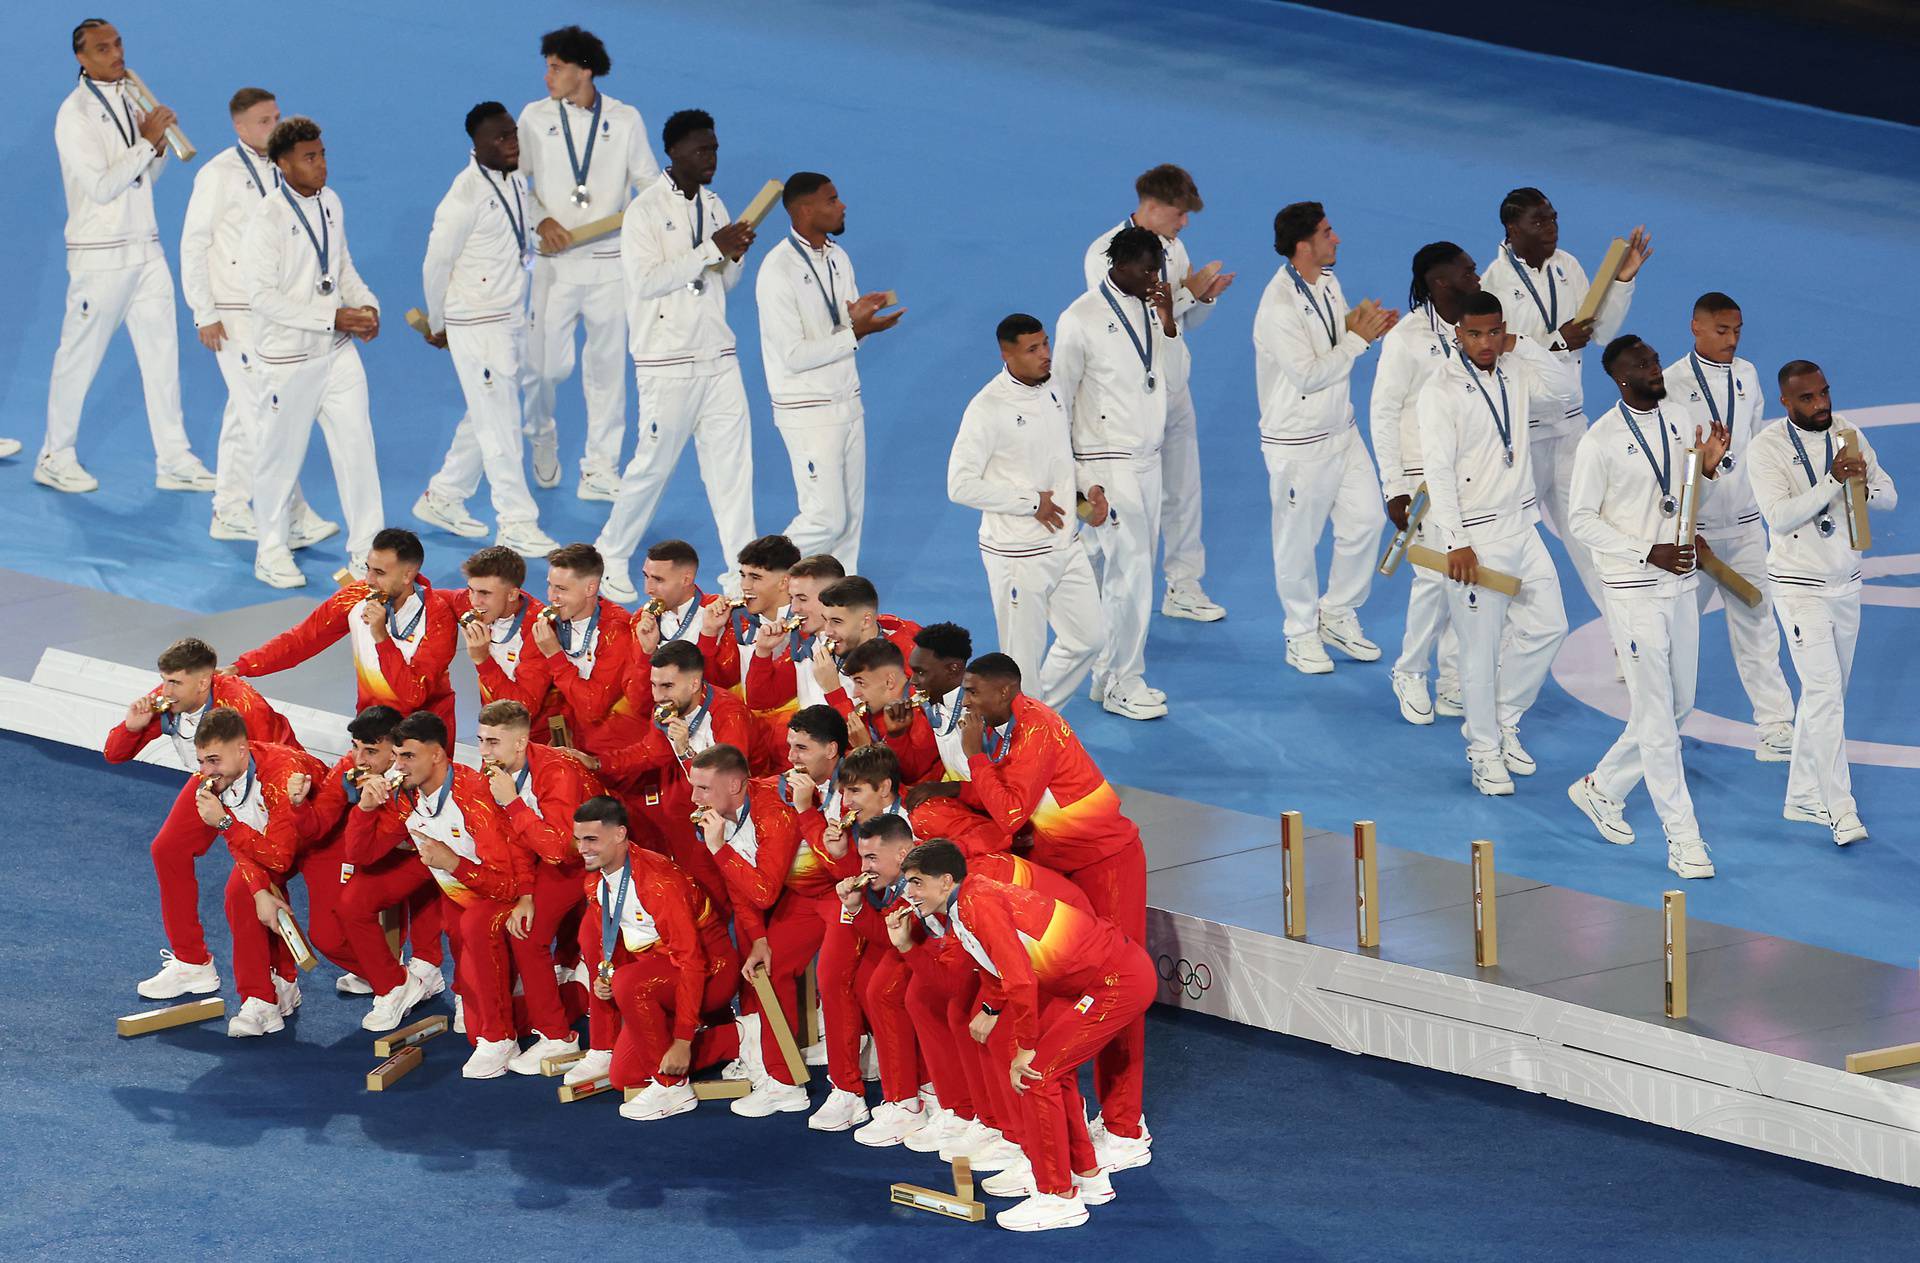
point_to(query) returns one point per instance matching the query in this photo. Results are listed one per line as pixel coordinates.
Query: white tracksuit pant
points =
(98, 303)
(1126, 544)
(1657, 640)
(492, 364)
(1552, 457)
(330, 388)
(559, 308)
(711, 410)
(1751, 630)
(828, 453)
(1821, 632)
(1506, 644)
(1429, 627)
(1339, 484)
(1051, 589)
(240, 419)
(1184, 558)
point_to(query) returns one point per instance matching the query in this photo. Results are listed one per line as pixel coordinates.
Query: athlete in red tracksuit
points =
(587, 646)
(797, 670)
(496, 631)
(667, 953)
(1058, 984)
(401, 647)
(190, 688)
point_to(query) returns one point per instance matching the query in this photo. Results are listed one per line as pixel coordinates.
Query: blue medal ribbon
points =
(1325, 318)
(563, 632)
(513, 628)
(1503, 415)
(581, 165)
(828, 293)
(943, 727)
(440, 799)
(1552, 317)
(1824, 522)
(130, 133)
(693, 721)
(610, 914)
(997, 744)
(1143, 350)
(170, 722)
(518, 224)
(1435, 323)
(253, 172)
(1713, 409)
(1662, 470)
(686, 620)
(413, 624)
(321, 246)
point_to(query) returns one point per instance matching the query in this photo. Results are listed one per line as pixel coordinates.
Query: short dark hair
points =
(995, 666)
(886, 827)
(425, 727)
(245, 99)
(1170, 184)
(1519, 202)
(1796, 368)
(938, 858)
(1617, 348)
(496, 561)
(681, 124)
(601, 809)
(769, 552)
(297, 130)
(818, 566)
(505, 713)
(374, 723)
(1131, 243)
(873, 655)
(402, 543)
(1017, 326)
(583, 559)
(222, 723)
(681, 655)
(80, 31)
(1483, 303)
(871, 764)
(1294, 224)
(1713, 301)
(852, 592)
(822, 723)
(945, 640)
(724, 758)
(481, 113)
(188, 654)
(1425, 259)
(577, 47)
(801, 183)
(677, 552)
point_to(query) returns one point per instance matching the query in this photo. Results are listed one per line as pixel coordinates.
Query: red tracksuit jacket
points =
(771, 683)
(561, 785)
(781, 862)
(531, 682)
(1034, 946)
(596, 707)
(1047, 780)
(264, 723)
(264, 857)
(503, 872)
(691, 933)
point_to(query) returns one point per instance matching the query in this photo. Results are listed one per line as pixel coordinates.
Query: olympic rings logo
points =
(1184, 975)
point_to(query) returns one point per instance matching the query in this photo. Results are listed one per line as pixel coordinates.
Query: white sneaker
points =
(841, 1111)
(309, 528)
(1305, 655)
(942, 1126)
(1122, 1153)
(1848, 829)
(1447, 702)
(1189, 601)
(432, 981)
(256, 1017)
(287, 992)
(1130, 703)
(188, 475)
(815, 1054)
(1608, 816)
(1097, 1130)
(929, 1099)
(870, 1061)
(1015, 1181)
(1043, 1212)
(997, 1154)
(617, 585)
(448, 515)
(529, 1061)
(1411, 690)
(177, 978)
(748, 1026)
(490, 1058)
(1688, 857)
(657, 1101)
(893, 1122)
(597, 1062)
(63, 473)
(351, 984)
(970, 1138)
(735, 1071)
(1490, 775)
(391, 1009)
(277, 570)
(357, 566)
(1093, 1190)
(1775, 744)
(772, 1097)
(525, 537)
(459, 1015)
(9, 447)
(598, 485)
(1342, 631)
(546, 464)
(236, 525)
(1806, 813)
(1515, 755)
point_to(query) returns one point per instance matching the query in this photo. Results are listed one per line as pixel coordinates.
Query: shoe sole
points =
(75, 490)
(1579, 800)
(1192, 616)
(284, 586)
(1070, 1221)
(1309, 668)
(1850, 839)
(478, 530)
(231, 533)
(1129, 1164)
(1418, 718)
(1494, 789)
(1803, 817)
(677, 1110)
(308, 541)
(1687, 872)
(175, 484)
(1519, 769)
(175, 995)
(888, 1143)
(1449, 712)
(1357, 654)
(1126, 712)
(858, 1122)
(585, 493)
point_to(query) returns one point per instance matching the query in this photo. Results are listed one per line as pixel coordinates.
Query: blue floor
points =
(188, 1144)
(979, 150)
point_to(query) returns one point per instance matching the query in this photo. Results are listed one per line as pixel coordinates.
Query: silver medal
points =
(1669, 505)
(326, 285)
(1152, 383)
(1824, 524)
(1726, 464)
(1509, 455)
(580, 195)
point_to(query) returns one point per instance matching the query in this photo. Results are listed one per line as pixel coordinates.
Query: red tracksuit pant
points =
(795, 931)
(396, 880)
(183, 838)
(928, 997)
(644, 990)
(884, 981)
(320, 869)
(1117, 889)
(258, 952)
(483, 967)
(558, 897)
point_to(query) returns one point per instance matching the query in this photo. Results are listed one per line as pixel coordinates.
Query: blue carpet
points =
(979, 151)
(188, 1144)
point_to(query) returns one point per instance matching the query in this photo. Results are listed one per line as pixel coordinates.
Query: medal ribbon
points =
(1143, 350)
(1662, 475)
(581, 165)
(321, 246)
(1552, 317)
(610, 912)
(828, 294)
(1325, 318)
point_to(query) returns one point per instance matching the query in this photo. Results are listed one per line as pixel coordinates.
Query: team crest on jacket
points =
(1632, 450)
(1473, 598)
(273, 401)
(669, 225)
(1112, 327)
(1019, 420)
(486, 377)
